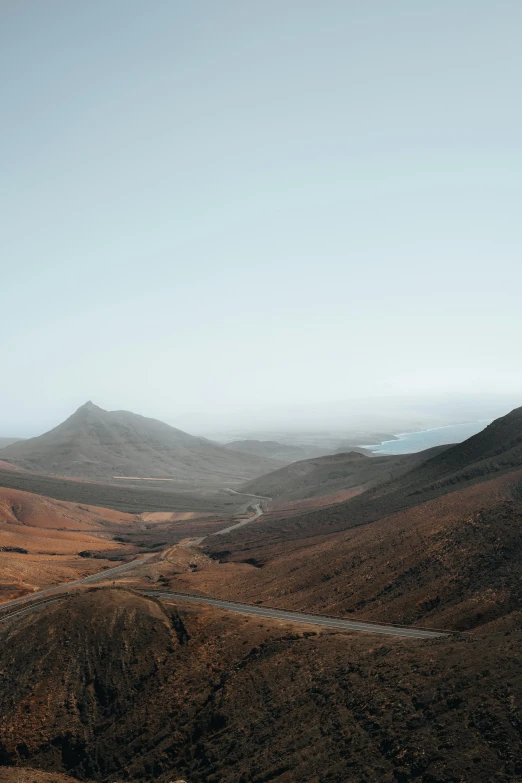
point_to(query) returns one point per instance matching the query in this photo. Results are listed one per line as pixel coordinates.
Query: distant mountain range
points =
(98, 444)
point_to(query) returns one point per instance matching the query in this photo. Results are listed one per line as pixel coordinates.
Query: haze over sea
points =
(409, 442)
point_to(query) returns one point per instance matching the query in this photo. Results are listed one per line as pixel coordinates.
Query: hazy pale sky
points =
(210, 206)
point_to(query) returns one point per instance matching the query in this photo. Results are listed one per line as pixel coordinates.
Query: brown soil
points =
(108, 685)
(28, 775)
(454, 562)
(7, 466)
(41, 539)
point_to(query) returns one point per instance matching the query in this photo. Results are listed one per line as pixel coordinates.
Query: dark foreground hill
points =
(98, 444)
(109, 686)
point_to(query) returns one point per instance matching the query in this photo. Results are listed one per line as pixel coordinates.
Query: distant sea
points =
(409, 442)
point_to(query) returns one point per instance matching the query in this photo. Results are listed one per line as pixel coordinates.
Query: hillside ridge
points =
(95, 443)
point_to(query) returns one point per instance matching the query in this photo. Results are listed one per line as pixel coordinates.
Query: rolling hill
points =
(452, 562)
(98, 444)
(41, 538)
(494, 451)
(327, 475)
(109, 685)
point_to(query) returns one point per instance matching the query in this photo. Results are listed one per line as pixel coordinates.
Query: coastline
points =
(418, 440)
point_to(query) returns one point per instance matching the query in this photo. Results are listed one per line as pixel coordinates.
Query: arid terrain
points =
(207, 696)
(107, 684)
(45, 542)
(129, 497)
(452, 562)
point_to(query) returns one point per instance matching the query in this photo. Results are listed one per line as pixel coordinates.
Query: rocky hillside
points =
(94, 443)
(109, 686)
(454, 562)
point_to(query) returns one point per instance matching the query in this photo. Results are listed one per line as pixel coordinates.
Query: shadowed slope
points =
(495, 450)
(111, 686)
(454, 562)
(326, 475)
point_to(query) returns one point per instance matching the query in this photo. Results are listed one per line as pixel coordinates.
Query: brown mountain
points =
(453, 562)
(112, 686)
(439, 544)
(94, 443)
(494, 451)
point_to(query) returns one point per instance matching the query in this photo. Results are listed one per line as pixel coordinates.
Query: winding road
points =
(229, 606)
(259, 513)
(66, 586)
(299, 617)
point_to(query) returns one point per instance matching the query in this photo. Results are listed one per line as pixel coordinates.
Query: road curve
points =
(258, 513)
(299, 617)
(100, 576)
(247, 494)
(197, 541)
(257, 611)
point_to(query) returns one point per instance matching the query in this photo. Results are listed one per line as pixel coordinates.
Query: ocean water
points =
(409, 442)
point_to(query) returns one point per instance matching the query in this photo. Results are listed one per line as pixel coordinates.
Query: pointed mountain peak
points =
(89, 407)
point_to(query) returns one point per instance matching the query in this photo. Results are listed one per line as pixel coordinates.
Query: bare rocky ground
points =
(116, 686)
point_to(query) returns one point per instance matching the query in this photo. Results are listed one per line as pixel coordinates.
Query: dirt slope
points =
(94, 443)
(496, 450)
(8, 441)
(110, 686)
(28, 775)
(40, 539)
(453, 562)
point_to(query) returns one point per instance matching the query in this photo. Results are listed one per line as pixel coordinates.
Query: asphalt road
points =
(299, 617)
(247, 494)
(99, 577)
(197, 541)
(259, 512)
(257, 611)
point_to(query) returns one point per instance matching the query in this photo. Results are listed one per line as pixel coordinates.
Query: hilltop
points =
(109, 685)
(445, 552)
(329, 474)
(98, 444)
(494, 451)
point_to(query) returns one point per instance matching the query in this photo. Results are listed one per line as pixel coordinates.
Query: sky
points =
(211, 208)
